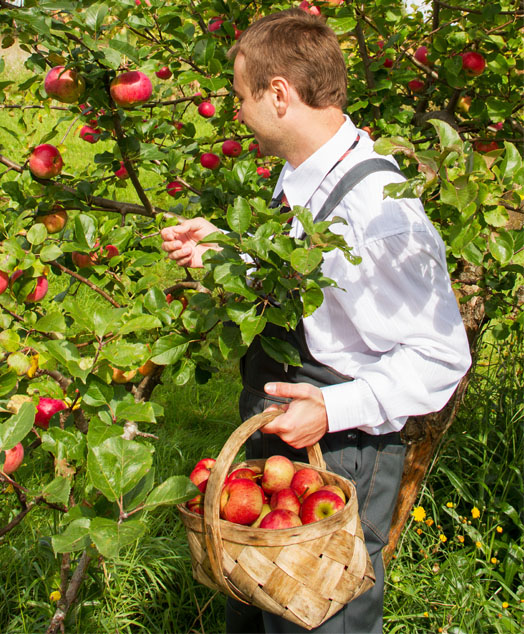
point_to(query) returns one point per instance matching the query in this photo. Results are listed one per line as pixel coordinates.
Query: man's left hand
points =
(304, 421)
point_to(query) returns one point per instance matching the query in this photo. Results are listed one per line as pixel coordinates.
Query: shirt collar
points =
(300, 183)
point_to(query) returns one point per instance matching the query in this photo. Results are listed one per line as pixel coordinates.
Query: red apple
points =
(210, 160)
(238, 32)
(45, 409)
(206, 109)
(131, 88)
(285, 499)
(4, 281)
(208, 463)
(309, 8)
(319, 505)
(83, 260)
(89, 134)
(109, 251)
(45, 161)
(215, 24)
(281, 518)
(40, 290)
(416, 85)
(334, 489)
(485, 146)
(121, 376)
(388, 63)
(63, 85)
(263, 172)
(174, 188)
(305, 482)
(196, 504)
(421, 55)
(254, 147)
(163, 73)
(55, 221)
(243, 472)
(278, 474)
(122, 172)
(13, 459)
(464, 103)
(199, 475)
(14, 276)
(241, 501)
(265, 510)
(178, 125)
(473, 63)
(231, 148)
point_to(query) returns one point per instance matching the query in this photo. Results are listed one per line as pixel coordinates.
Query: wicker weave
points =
(304, 574)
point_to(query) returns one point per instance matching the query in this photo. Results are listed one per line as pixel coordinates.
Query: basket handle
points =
(214, 490)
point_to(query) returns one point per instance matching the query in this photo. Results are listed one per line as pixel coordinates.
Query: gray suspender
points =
(352, 178)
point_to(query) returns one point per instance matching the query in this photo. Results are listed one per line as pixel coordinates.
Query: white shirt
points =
(393, 324)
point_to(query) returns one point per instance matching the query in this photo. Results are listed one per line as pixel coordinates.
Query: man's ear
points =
(281, 94)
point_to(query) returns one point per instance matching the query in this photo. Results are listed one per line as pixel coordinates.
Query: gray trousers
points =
(374, 464)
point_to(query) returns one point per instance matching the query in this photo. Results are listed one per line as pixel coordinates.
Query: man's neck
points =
(310, 129)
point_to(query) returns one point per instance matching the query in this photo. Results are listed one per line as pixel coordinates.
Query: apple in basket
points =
(319, 505)
(280, 518)
(241, 501)
(200, 473)
(305, 482)
(335, 489)
(278, 473)
(285, 499)
(243, 472)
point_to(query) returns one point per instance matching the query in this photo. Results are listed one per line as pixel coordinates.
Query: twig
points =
(370, 80)
(84, 280)
(477, 11)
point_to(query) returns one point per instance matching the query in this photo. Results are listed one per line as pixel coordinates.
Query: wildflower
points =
(9, 488)
(55, 595)
(419, 531)
(429, 521)
(443, 538)
(460, 538)
(450, 505)
(475, 513)
(419, 513)
(478, 544)
(505, 605)
(426, 614)
(494, 560)
(499, 529)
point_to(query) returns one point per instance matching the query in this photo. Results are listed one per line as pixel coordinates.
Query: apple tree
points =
(92, 315)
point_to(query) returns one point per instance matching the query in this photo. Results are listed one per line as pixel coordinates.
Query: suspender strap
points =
(351, 179)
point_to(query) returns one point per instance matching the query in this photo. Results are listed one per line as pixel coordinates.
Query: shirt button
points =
(352, 435)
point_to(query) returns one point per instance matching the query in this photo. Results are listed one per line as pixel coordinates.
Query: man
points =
(388, 343)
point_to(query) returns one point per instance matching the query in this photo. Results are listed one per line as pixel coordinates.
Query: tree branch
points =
(445, 5)
(84, 280)
(370, 80)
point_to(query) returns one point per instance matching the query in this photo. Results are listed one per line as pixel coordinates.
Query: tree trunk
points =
(423, 434)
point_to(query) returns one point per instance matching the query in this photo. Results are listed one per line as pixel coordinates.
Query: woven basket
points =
(304, 574)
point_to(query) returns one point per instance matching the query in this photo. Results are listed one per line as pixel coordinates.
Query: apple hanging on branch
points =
(64, 85)
(131, 88)
(45, 161)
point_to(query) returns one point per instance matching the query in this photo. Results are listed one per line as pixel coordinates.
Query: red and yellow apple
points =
(285, 499)
(278, 474)
(13, 459)
(281, 518)
(131, 88)
(305, 482)
(122, 376)
(54, 221)
(45, 409)
(45, 161)
(319, 505)
(63, 85)
(4, 281)
(241, 501)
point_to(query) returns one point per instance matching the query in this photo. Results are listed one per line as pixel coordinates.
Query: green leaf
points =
(110, 537)
(17, 426)
(65, 444)
(498, 110)
(67, 354)
(252, 325)
(239, 216)
(75, 537)
(496, 216)
(174, 490)
(125, 49)
(125, 354)
(341, 26)
(139, 412)
(138, 493)
(99, 432)
(144, 322)
(281, 351)
(449, 137)
(457, 194)
(306, 260)
(169, 349)
(52, 322)
(57, 491)
(511, 163)
(501, 246)
(96, 393)
(50, 253)
(37, 233)
(85, 231)
(117, 465)
(393, 145)
(19, 363)
(107, 319)
(94, 16)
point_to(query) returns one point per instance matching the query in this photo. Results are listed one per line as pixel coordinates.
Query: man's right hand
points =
(181, 241)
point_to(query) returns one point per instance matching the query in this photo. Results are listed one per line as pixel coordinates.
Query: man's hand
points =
(305, 419)
(181, 241)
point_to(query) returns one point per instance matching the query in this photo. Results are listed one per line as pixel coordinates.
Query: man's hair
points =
(299, 47)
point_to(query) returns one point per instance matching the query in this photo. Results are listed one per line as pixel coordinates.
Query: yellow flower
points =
(443, 538)
(494, 560)
(449, 505)
(419, 531)
(418, 513)
(55, 596)
(461, 538)
(475, 513)
(426, 614)
(499, 529)
(478, 544)
(505, 605)
(9, 489)
(429, 521)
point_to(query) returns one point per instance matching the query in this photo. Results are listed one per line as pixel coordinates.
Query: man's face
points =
(258, 115)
